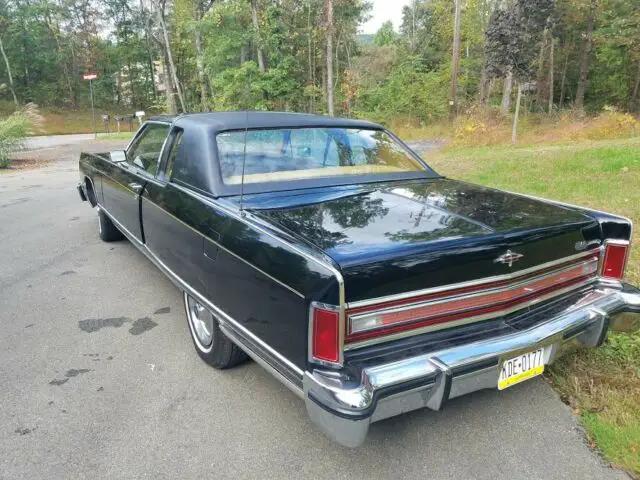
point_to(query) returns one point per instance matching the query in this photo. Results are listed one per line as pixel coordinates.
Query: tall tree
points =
(329, 10)
(6, 62)
(256, 28)
(455, 61)
(160, 12)
(585, 56)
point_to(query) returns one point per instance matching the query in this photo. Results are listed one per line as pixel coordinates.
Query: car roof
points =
(221, 121)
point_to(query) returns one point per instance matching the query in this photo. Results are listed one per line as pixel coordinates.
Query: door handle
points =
(136, 187)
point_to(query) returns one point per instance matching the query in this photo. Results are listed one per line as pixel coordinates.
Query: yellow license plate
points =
(523, 367)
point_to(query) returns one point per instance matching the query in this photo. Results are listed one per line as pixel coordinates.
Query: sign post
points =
(90, 77)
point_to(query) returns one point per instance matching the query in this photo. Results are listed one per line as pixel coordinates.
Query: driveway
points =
(99, 378)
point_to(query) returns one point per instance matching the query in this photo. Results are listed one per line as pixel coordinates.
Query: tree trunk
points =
(147, 37)
(514, 131)
(551, 74)
(633, 102)
(540, 72)
(483, 86)
(204, 94)
(455, 62)
(256, 27)
(329, 7)
(585, 57)
(6, 62)
(168, 88)
(169, 57)
(506, 92)
(310, 78)
(563, 82)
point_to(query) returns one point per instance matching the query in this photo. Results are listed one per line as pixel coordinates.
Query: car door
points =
(175, 224)
(126, 180)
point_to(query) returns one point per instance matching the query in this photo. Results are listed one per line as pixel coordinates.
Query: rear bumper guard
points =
(344, 409)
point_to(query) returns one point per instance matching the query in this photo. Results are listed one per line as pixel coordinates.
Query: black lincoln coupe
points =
(334, 256)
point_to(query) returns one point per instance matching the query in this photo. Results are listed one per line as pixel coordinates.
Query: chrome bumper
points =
(344, 409)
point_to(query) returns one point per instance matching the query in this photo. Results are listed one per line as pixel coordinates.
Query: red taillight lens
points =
(615, 259)
(326, 335)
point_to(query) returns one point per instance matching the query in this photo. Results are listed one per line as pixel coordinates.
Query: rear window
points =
(283, 154)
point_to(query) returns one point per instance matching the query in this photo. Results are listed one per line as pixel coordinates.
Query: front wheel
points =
(212, 345)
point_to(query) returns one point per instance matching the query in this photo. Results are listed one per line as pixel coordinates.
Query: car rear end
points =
(377, 357)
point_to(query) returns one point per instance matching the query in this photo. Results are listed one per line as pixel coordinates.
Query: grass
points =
(62, 121)
(116, 136)
(602, 385)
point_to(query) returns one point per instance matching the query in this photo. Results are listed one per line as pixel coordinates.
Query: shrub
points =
(15, 128)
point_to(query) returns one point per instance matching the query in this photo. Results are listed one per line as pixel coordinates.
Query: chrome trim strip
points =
(263, 363)
(472, 283)
(222, 247)
(256, 225)
(476, 294)
(465, 321)
(287, 364)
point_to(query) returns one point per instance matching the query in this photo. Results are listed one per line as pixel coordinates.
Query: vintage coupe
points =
(330, 253)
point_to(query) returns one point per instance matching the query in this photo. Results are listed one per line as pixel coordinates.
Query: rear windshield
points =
(285, 154)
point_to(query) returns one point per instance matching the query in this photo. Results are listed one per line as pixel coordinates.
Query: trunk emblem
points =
(508, 258)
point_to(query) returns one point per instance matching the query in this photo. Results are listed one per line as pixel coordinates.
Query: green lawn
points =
(602, 385)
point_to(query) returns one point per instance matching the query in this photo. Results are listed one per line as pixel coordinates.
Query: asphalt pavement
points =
(99, 379)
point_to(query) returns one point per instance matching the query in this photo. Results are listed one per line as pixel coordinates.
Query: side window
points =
(176, 141)
(145, 151)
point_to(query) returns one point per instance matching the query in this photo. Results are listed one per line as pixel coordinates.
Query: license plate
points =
(523, 367)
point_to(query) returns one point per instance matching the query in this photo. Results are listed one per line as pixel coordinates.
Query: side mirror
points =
(118, 156)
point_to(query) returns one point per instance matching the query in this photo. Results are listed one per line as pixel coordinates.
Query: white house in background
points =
(123, 79)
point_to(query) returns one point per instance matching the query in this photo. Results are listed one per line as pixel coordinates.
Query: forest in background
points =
(447, 56)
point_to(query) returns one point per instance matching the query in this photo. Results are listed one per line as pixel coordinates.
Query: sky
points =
(382, 11)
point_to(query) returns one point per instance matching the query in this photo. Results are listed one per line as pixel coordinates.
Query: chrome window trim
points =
(325, 264)
(465, 321)
(284, 362)
(222, 247)
(471, 283)
(476, 294)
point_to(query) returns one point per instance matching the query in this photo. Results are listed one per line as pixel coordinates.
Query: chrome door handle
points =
(136, 187)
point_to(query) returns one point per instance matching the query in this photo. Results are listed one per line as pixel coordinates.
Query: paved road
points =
(99, 378)
(48, 141)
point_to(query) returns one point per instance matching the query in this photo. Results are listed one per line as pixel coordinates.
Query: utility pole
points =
(455, 62)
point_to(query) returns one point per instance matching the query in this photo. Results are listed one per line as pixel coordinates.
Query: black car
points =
(333, 255)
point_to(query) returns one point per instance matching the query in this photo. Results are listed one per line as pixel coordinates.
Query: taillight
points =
(615, 259)
(325, 333)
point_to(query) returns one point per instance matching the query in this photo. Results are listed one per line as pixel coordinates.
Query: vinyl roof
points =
(220, 121)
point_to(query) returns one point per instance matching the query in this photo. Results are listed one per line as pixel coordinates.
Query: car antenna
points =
(244, 160)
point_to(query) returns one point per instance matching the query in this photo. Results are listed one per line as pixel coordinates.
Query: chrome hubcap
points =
(201, 322)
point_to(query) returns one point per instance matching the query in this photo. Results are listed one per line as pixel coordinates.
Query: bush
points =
(15, 128)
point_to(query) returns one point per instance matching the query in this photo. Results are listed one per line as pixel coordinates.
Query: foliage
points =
(14, 129)
(401, 72)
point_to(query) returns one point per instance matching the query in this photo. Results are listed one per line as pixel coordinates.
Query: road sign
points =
(90, 76)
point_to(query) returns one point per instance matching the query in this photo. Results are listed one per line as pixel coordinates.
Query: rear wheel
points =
(212, 345)
(107, 230)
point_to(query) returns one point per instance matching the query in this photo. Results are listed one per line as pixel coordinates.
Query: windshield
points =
(285, 154)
